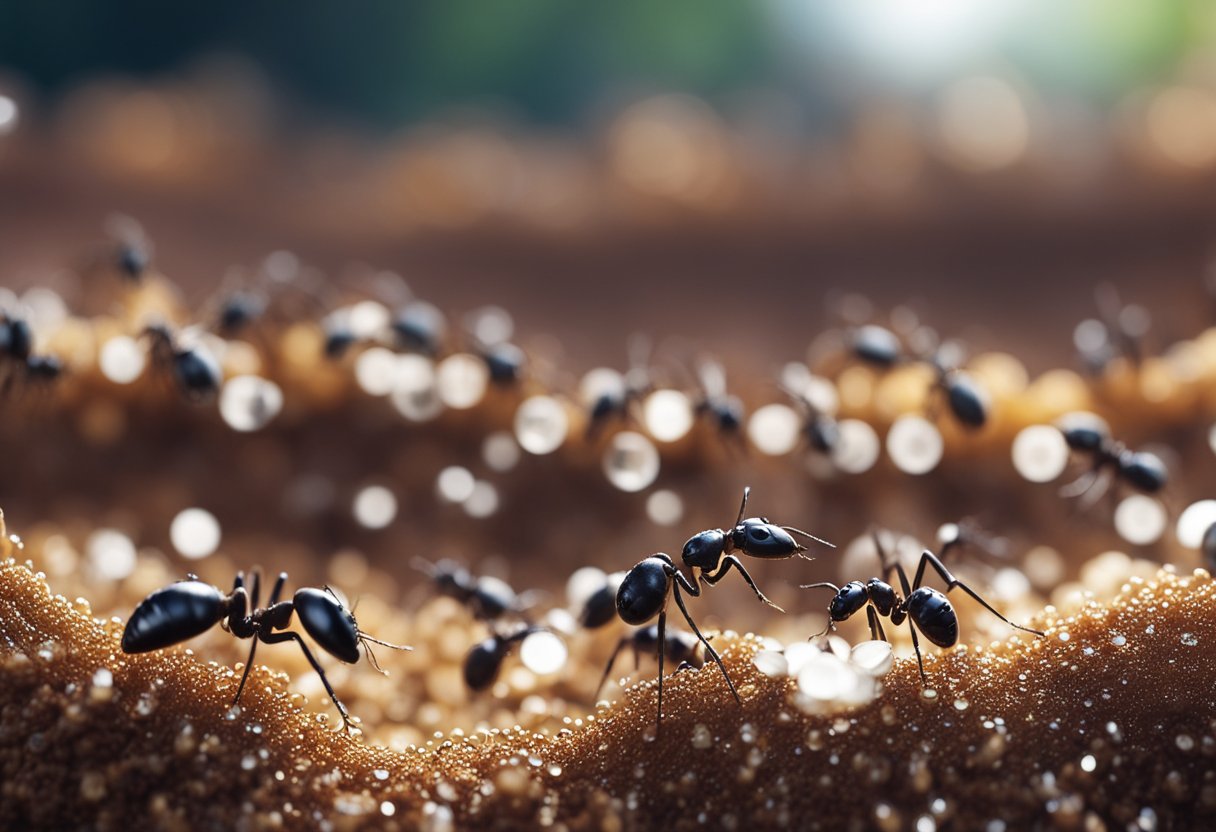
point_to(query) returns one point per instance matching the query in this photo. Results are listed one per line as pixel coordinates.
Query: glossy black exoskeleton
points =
(714, 402)
(1109, 460)
(485, 597)
(17, 358)
(926, 609)
(679, 648)
(193, 368)
(876, 345)
(1208, 548)
(189, 608)
(643, 595)
(484, 660)
(709, 555)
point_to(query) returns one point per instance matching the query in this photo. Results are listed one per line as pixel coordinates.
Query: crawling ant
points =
(132, 254)
(678, 647)
(877, 346)
(1110, 459)
(820, 429)
(709, 555)
(193, 368)
(724, 410)
(484, 660)
(615, 399)
(487, 598)
(17, 345)
(237, 311)
(420, 327)
(926, 609)
(644, 593)
(189, 608)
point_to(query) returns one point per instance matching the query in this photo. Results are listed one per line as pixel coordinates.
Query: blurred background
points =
(707, 168)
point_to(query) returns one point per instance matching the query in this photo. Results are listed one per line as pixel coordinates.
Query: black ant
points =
(191, 607)
(820, 429)
(599, 607)
(724, 410)
(926, 609)
(615, 400)
(678, 647)
(1141, 470)
(484, 660)
(17, 344)
(504, 361)
(708, 555)
(193, 368)
(877, 346)
(712, 551)
(237, 311)
(1208, 547)
(485, 597)
(966, 399)
(420, 328)
(132, 255)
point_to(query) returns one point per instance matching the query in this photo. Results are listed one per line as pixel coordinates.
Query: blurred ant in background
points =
(486, 598)
(193, 368)
(483, 662)
(715, 403)
(679, 648)
(613, 396)
(18, 362)
(1110, 461)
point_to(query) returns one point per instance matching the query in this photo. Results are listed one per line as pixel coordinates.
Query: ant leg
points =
(1083, 483)
(291, 635)
(920, 662)
(875, 625)
(620, 645)
(929, 559)
(720, 573)
(278, 589)
(831, 624)
(255, 595)
(709, 648)
(747, 489)
(253, 648)
(1100, 487)
(662, 635)
(898, 568)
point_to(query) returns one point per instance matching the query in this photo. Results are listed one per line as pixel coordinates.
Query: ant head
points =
(1083, 431)
(1143, 471)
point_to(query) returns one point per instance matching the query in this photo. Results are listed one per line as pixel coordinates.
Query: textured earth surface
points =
(1108, 722)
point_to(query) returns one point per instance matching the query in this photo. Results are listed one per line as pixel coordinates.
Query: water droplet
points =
(1189, 639)
(914, 445)
(249, 762)
(1089, 762)
(461, 380)
(195, 533)
(374, 507)
(1118, 640)
(774, 429)
(1040, 453)
(103, 678)
(1140, 519)
(668, 415)
(541, 425)
(631, 461)
(664, 507)
(455, 484)
(771, 663)
(122, 360)
(249, 403)
(961, 704)
(483, 501)
(857, 446)
(111, 554)
(543, 653)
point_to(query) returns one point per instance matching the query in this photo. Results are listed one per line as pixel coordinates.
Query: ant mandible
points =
(712, 551)
(925, 608)
(191, 607)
